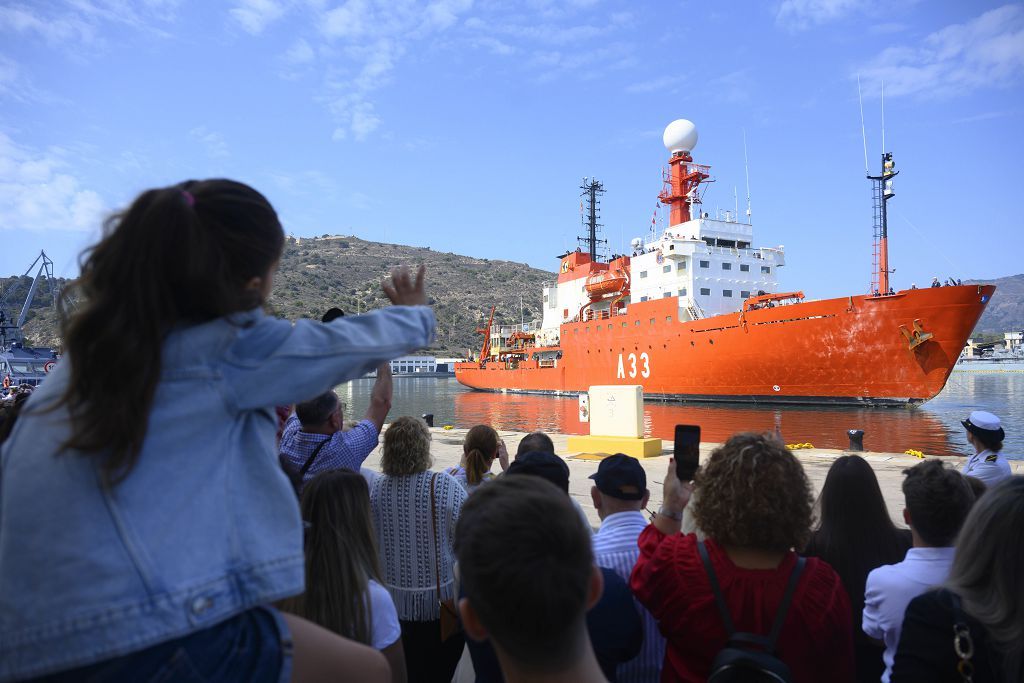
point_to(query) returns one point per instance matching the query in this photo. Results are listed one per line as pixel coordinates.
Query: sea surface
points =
(933, 427)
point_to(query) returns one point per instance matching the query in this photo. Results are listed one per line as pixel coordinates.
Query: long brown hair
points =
(179, 255)
(479, 448)
(341, 555)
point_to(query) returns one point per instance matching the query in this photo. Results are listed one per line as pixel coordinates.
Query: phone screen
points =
(686, 451)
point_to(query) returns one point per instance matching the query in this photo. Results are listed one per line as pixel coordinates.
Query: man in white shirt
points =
(619, 494)
(986, 435)
(938, 499)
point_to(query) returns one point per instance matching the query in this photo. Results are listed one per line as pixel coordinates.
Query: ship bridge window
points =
(743, 245)
(705, 291)
(643, 273)
(726, 266)
(705, 264)
(744, 268)
(710, 241)
(766, 270)
(727, 293)
(744, 294)
(727, 243)
(682, 292)
(667, 268)
(666, 295)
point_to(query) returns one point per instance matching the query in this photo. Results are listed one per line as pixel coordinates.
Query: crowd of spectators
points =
(148, 530)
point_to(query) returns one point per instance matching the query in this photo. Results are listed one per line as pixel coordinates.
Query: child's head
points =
(179, 255)
(479, 450)
(189, 252)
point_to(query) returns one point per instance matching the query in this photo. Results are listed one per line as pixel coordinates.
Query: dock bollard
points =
(856, 439)
(429, 419)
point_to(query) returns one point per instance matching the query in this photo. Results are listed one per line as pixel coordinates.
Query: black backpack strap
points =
(311, 458)
(780, 616)
(730, 629)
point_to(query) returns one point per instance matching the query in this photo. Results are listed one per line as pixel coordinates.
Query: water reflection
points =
(934, 428)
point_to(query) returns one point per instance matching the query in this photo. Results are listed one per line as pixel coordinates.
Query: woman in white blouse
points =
(415, 511)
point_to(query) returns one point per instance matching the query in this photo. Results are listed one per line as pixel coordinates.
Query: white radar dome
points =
(680, 136)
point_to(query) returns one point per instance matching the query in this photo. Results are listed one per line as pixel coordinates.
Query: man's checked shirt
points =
(344, 450)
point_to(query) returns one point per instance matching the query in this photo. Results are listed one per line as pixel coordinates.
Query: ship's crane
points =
(10, 330)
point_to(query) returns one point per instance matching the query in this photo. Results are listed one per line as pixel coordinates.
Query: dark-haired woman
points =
(480, 448)
(855, 534)
(973, 628)
(145, 525)
(754, 505)
(343, 577)
(985, 434)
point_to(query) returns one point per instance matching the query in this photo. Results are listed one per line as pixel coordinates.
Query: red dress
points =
(670, 581)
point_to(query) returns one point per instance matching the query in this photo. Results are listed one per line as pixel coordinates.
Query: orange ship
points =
(693, 315)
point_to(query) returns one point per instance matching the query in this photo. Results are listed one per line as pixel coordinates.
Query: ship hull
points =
(852, 350)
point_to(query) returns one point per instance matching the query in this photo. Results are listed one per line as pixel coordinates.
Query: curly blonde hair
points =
(754, 493)
(406, 448)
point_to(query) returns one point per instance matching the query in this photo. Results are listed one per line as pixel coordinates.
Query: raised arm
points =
(380, 397)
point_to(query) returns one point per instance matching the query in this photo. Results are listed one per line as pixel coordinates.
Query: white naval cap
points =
(983, 423)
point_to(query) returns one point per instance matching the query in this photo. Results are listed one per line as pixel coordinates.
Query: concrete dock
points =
(447, 451)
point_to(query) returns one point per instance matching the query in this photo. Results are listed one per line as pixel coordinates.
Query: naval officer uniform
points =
(987, 465)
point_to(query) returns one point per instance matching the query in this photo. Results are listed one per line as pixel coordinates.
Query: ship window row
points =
(766, 270)
(705, 264)
(704, 291)
(726, 265)
(731, 244)
(745, 268)
(727, 293)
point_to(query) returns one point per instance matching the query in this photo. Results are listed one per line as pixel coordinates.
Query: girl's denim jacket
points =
(205, 526)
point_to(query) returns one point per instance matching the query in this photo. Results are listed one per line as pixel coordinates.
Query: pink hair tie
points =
(189, 199)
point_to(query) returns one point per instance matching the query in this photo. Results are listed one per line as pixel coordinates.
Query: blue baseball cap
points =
(621, 476)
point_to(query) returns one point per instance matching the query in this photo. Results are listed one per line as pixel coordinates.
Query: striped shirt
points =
(345, 450)
(615, 548)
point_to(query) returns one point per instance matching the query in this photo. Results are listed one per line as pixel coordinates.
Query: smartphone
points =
(686, 451)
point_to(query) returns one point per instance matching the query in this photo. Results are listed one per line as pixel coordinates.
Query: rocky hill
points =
(1005, 313)
(318, 273)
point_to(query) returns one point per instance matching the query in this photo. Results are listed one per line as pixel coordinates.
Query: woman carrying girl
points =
(145, 525)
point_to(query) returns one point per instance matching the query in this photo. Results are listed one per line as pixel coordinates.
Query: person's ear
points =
(471, 622)
(906, 517)
(646, 498)
(595, 587)
(595, 497)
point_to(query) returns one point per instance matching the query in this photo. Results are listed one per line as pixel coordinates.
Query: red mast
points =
(683, 176)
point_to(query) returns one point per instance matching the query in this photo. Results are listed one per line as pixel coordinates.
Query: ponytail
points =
(479, 448)
(178, 255)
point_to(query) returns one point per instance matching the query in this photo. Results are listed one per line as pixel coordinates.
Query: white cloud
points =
(299, 53)
(216, 146)
(38, 192)
(255, 15)
(987, 51)
(803, 14)
(657, 84)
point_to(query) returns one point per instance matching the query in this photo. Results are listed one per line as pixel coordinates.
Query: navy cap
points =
(621, 476)
(541, 464)
(984, 424)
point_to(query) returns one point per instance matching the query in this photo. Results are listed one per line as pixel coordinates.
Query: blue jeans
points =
(254, 646)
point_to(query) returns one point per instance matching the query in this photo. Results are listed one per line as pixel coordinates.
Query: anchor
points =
(917, 337)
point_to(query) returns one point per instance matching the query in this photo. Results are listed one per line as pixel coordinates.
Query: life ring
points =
(7, 381)
(565, 266)
(48, 366)
(660, 258)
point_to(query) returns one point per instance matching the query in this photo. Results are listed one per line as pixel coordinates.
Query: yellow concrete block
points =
(638, 448)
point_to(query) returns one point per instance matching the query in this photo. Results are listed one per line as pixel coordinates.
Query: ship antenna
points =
(883, 116)
(746, 170)
(591, 191)
(863, 134)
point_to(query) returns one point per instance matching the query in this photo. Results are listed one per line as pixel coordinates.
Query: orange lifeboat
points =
(605, 282)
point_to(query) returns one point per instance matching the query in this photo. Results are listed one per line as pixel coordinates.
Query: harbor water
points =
(933, 427)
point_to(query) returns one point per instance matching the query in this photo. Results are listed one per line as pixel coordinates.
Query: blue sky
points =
(467, 125)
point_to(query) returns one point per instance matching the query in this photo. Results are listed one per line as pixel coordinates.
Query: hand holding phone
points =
(686, 451)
